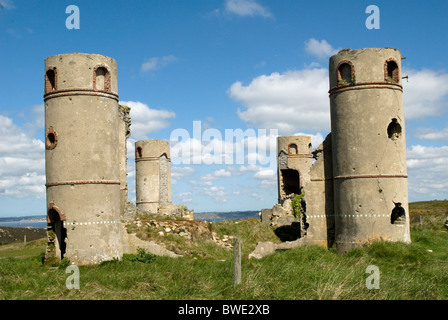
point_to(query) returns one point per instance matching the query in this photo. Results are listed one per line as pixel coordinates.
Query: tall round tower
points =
(368, 147)
(153, 174)
(82, 157)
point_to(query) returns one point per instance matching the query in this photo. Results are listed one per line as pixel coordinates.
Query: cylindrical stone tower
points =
(82, 157)
(368, 147)
(153, 174)
(294, 163)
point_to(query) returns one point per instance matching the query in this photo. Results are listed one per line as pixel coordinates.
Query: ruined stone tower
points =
(306, 175)
(294, 163)
(368, 147)
(82, 157)
(153, 174)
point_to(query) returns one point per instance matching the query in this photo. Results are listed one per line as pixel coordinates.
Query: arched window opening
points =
(50, 80)
(345, 74)
(102, 79)
(392, 71)
(394, 130)
(139, 152)
(292, 149)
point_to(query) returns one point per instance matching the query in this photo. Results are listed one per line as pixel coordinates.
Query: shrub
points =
(143, 256)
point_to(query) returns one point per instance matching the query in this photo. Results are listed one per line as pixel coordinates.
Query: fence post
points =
(237, 260)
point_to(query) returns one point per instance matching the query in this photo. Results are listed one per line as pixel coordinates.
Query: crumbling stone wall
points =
(124, 133)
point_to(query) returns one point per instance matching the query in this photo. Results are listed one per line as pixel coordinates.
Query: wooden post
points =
(24, 240)
(237, 261)
(420, 219)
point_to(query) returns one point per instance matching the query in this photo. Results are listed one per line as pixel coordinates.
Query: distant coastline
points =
(24, 222)
(41, 222)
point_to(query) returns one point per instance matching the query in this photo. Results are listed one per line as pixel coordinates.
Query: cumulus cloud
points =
(178, 173)
(22, 162)
(264, 174)
(218, 193)
(222, 173)
(425, 94)
(428, 177)
(257, 196)
(146, 120)
(231, 147)
(246, 8)
(184, 197)
(319, 49)
(432, 134)
(157, 63)
(289, 101)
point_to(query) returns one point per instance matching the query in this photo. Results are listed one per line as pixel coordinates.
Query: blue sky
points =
(226, 64)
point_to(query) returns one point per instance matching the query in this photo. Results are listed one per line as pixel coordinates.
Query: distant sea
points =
(41, 222)
(24, 222)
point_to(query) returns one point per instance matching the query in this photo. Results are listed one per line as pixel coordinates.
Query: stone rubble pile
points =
(188, 229)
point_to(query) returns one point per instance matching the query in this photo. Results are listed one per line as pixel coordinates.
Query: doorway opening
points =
(57, 234)
(291, 181)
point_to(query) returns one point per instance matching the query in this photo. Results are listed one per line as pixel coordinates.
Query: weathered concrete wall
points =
(82, 158)
(153, 174)
(124, 132)
(319, 197)
(368, 146)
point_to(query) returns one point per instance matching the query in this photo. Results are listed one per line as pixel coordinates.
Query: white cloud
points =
(178, 173)
(425, 94)
(250, 167)
(432, 134)
(146, 120)
(184, 197)
(22, 162)
(247, 148)
(247, 8)
(217, 193)
(157, 63)
(208, 177)
(319, 49)
(38, 114)
(257, 196)
(428, 177)
(291, 101)
(265, 174)
(222, 173)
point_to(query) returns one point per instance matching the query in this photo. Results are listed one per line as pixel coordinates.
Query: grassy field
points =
(416, 271)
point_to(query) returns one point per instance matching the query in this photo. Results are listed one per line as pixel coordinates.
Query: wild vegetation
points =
(407, 271)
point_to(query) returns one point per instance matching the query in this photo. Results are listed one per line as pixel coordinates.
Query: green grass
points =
(416, 271)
